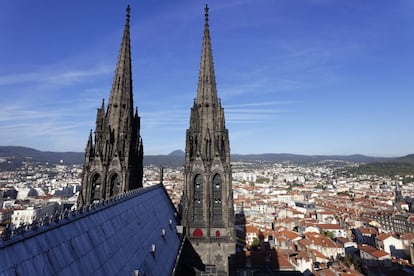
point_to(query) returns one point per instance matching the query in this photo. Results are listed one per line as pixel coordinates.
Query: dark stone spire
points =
(207, 91)
(120, 106)
(113, 164)
(208, 211)
(207, 114)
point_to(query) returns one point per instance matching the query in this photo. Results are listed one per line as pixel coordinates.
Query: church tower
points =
(114, 153)
(398, 194)
(208, 213)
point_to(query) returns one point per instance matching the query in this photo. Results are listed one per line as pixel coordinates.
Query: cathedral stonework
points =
(114, 153)
(208, 213)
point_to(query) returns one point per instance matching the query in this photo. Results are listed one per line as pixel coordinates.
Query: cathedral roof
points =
(113, 238)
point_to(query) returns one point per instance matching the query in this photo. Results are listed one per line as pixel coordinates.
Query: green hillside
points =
(399, 166)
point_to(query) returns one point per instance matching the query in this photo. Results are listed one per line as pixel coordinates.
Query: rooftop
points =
(134, 231)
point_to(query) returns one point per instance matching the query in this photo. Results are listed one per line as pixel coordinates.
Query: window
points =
(217, 196)
(198, 195)
(114, 184)
(96, 187)
(217, 182)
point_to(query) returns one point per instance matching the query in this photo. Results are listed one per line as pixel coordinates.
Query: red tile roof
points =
(383, 236)
(368, 231)
(327, 226)
(377, 253)
(291, 235)
(318, 254)
(407, 236)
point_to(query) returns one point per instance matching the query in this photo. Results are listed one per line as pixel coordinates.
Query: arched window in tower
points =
(96, 180)
(198, 196)
(217, 182)
(217, 200)
(114, 184)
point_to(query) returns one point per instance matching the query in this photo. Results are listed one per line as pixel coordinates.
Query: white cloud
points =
(53, 75)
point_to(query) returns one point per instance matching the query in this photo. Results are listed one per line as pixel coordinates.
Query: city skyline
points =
(310, 77)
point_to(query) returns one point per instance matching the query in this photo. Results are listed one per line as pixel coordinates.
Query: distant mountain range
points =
(15, 155)
(298, 158)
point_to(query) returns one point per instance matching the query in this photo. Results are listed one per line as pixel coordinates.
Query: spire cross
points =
(128, 15)
(206, 14)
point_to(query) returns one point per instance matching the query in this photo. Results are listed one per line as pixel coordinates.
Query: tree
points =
(255, 243)
(262, 180)
(346, 193)
(328, 234)
(348, 260)
(319, 186)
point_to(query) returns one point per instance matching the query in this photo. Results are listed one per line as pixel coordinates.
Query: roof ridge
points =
(59, 219)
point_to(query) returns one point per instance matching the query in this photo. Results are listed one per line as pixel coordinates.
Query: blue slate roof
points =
(114, 238)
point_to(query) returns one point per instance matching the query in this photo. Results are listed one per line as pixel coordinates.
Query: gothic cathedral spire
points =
(208, 213)
(113, 161)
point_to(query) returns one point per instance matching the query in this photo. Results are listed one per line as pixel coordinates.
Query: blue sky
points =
(304, 76)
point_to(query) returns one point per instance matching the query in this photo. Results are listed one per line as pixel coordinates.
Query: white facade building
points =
(28, 215)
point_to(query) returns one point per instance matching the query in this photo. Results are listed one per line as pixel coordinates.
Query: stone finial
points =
(128, 14)
(206, 12)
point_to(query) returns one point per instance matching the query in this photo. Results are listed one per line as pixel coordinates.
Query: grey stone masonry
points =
(208, 213)
(113, 159)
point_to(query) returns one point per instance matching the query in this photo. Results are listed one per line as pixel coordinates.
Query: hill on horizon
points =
(401, 166)
(177, 153)
(16, 154)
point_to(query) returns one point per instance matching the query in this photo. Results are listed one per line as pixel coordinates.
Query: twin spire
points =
(206, 92)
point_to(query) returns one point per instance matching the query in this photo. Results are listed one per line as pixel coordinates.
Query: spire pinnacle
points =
(128, 13)
(206, 13)
(121, 92)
